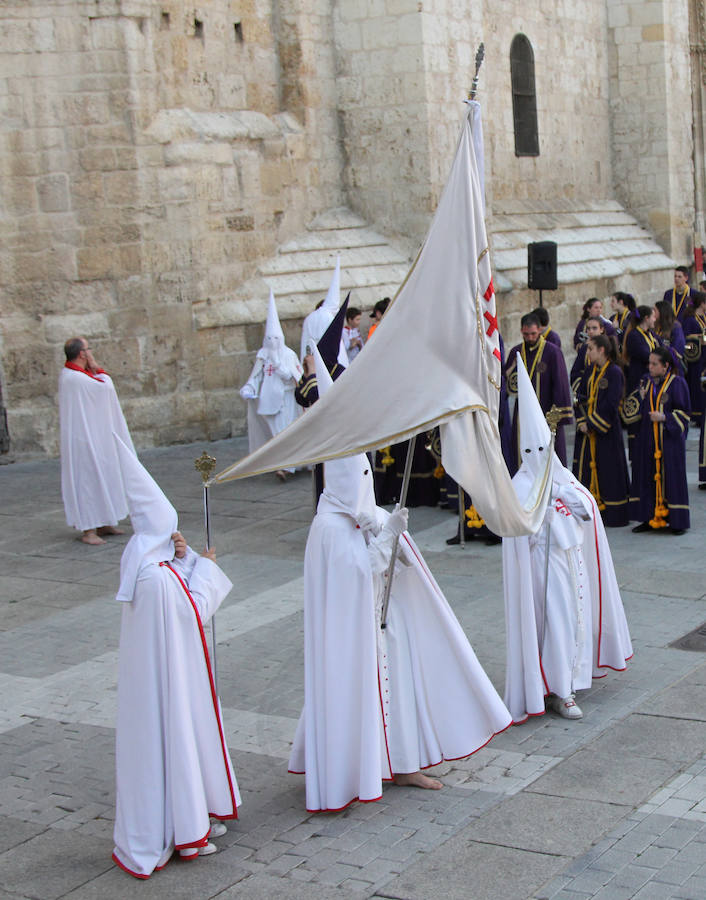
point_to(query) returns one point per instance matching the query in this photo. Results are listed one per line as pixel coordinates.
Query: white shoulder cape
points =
(91, 483)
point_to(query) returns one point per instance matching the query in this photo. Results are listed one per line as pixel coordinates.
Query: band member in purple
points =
(623, 304)
(593, 327)
(670, 334)
(679, 295)
(550, 380)
(548, 332)
(638, 342)
(694, 326)
(599, 455)
(592, 307)
(658, 494)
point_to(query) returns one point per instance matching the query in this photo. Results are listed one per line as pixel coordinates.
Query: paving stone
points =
(56, 723)
(53, 863)
(496, 873)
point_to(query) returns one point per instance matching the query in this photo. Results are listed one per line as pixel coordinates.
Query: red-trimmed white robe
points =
(172, 764)
(381, 704)
(582, 631)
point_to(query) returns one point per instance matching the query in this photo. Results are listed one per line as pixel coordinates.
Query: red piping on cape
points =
(214, 698)
(75, 368)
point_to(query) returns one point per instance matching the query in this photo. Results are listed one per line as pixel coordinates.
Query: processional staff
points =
(553, 417)
(410, 447)
(205, 465)
(396, 542)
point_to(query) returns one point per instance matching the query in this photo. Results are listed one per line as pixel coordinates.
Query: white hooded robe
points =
(173, 769)
(558, 642)
(378, 703)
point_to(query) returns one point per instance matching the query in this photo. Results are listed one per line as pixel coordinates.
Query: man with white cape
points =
(379, 704)
(89, 413)
(171, 760)
(564, 616)
(269, 390)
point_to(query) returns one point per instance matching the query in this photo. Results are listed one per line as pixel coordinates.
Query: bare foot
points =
(90, 537)
(281, 474)
(110, 529)
(418, 779)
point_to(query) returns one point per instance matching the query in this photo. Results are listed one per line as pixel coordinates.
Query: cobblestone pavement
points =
(610, 807)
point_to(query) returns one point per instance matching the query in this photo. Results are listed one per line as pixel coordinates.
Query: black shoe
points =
(702, 487)
(493, 540)
(678, 530)
(453, 540)
(640, 529)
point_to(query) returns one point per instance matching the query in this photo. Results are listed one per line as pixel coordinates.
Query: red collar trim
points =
(75, 368)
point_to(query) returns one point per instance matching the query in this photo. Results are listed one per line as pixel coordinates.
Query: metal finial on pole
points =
(395, 544)
(205, 465)
(480, 54)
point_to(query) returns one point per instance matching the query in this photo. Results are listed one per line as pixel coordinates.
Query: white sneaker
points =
(193, 852)
(565, 706)
(218, 829)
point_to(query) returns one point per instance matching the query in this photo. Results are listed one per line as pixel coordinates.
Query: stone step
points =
(325, 260)
(333, 239)
(563, 236)
(594, 241)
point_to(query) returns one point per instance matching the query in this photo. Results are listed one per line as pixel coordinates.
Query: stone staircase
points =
(300, 273)
(596, 240)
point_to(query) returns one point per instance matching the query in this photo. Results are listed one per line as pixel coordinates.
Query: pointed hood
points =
(534, 435)
(331, 344)
(333, 297)
(154, 521)
(348, 482)
(272, 353)
(273, 341)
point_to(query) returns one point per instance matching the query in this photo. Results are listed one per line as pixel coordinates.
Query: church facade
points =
(161, 158)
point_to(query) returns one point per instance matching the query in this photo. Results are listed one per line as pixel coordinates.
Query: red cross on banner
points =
(492, 323)
(489, 291)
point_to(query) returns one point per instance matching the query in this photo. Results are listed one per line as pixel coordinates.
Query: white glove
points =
(248, 392)
(397, 523)
(368, 524)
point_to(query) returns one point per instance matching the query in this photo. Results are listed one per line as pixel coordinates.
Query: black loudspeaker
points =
(541, 266)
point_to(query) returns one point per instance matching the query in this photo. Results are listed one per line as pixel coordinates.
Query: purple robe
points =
(694, 330)
(638, 346)
(578, 367)
(676, 407)
(680, 302)
(550, 381)
(552, 336)
(611, 464)
(675, 343)
(619, 321)
(702, 453)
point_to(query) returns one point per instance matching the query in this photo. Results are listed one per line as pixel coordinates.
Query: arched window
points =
(524, 97)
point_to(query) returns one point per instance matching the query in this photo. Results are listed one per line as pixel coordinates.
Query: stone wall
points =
(651, 116)
(153, 153)
(148, 162)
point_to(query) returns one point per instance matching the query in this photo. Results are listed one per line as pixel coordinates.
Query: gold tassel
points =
(474, 520)
(387, 457)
